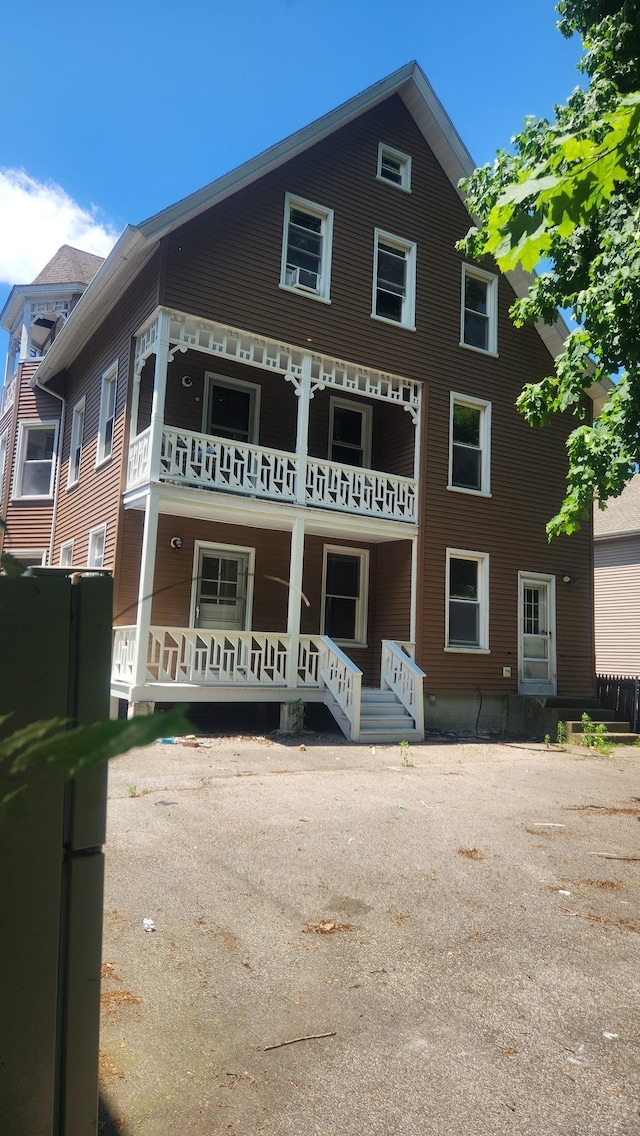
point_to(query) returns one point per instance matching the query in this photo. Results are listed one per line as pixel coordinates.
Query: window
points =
(479, 315)
(467, 613)
(97, 538)
(470, 444)
(107, 414)
(3, 459)
(231, 409)
(29, 557)
(75, 452)
(394, 281)
(306, 248)
(66, 554)
(36, 464)
(345, 589)
(394, 167)
(349, 433)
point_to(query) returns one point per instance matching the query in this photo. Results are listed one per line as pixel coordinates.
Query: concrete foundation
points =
(465, 714)
(140, 709)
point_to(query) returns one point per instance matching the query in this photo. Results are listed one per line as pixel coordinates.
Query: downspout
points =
(56, 485)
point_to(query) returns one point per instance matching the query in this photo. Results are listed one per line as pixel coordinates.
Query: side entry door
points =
(536, 637)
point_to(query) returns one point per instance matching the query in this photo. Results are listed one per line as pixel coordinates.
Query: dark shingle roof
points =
(70, 266)
(622, 514)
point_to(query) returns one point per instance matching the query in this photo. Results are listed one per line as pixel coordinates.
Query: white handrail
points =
(400, 674)
(343, 680)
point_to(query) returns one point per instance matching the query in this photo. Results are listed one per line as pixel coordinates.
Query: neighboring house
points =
(616, 530)
(290, 433)
(30, 418)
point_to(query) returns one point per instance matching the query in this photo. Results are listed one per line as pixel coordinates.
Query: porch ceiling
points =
(234, 510)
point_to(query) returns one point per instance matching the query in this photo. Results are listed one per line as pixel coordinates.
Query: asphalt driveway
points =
(457, 939)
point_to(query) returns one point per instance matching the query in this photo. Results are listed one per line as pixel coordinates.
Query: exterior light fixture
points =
(176, 543)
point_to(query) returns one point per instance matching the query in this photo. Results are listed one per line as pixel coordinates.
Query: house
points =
(30, 417)
(616, 530)
(289, 430)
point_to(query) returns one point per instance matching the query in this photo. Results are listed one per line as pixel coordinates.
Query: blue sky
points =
(112, 112)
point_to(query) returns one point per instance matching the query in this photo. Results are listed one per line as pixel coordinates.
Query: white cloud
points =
(36, 218)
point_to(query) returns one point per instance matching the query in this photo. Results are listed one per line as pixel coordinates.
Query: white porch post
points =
(145, 587)
(413, 621)
(303, 391)
(417, 442)
(295, 591)
(159, 394)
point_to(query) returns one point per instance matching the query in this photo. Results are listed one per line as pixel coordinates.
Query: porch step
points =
(577, 727)
(383, 719)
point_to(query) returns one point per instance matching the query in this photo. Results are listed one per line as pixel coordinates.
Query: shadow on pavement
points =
(108, 1125)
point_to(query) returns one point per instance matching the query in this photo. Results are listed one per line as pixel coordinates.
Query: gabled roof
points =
(621, 515)
(137, 243)
(69, 270)
(70, 266)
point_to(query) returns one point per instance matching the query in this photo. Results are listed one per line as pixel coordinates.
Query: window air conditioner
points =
(294, 281)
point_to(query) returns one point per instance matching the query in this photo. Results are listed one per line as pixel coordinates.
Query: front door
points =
(221, 589)
(536, 638)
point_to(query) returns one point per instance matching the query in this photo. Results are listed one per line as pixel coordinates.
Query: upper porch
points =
(216, 410)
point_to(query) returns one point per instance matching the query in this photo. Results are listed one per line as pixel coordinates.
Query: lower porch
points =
(242, 613)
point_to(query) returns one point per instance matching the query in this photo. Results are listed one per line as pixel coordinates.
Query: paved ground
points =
(465, 928)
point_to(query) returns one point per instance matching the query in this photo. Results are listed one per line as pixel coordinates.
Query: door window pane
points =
(342, 596)
(230, 412)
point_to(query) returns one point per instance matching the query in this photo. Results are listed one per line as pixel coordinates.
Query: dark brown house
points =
(289, 430)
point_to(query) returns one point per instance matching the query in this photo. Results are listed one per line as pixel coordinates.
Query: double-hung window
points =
(97, 538)
(107, 414)
(306, 248)
(394, 167)
(35, 466)
(394, 279)
(469, 444)
(350, 433)
(66, 554)
(479, 310)
(75, 453)
(232, 408)
(467, 602)
(345, 594)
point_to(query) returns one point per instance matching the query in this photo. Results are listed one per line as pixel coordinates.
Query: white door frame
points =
(213, 547)
(533, 686)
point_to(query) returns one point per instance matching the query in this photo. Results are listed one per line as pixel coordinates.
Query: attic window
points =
(394, 167)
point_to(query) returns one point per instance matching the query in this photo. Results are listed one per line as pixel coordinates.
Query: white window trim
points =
(19, 553)
(482, 560)
(405, 167)
(326, 216)
(75, 443)
(93, 533)
(491, 281)
(484, 407)
(110, 376)
(409, 248)
(212, 379)
(24, 428)
(209, 546)
(4, 445)
(362, 607)
(366, 411)
(67, 544)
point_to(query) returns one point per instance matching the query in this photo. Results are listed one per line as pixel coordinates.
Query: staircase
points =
(384, 719)
(570, 711)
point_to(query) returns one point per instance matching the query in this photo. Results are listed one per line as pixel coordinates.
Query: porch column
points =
(295, 592)
(417, 442)
(413, 620)
(145, 587)
(303, 391)
(159, 394)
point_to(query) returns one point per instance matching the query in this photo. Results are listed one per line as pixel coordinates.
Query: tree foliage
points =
(568, 194)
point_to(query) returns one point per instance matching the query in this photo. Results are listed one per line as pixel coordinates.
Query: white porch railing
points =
(124, 654)
(201, 461)
(400, 674)
(139, 467)
(343, 680)
(217, 658)
(357, 490)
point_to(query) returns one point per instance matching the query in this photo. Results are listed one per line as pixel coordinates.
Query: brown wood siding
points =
(391, 615)
(28, 522)
(225, 264)
(617, 605)
(95, 499)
